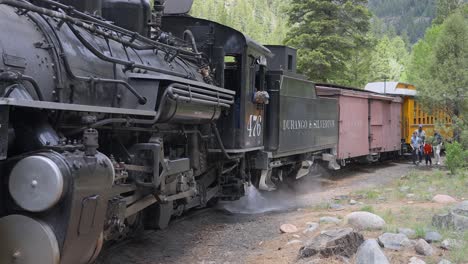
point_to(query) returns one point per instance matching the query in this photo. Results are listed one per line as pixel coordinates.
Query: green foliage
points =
(388, 59)
(460, 255)
(445, 8)
(417, 69)
(410, 18)
(420, 231)
(327, 34)
(389, 216)
(439, 68)
(457, 158)
(262, 20)
(367, 208)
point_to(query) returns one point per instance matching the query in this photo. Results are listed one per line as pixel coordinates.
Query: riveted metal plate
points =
(25, 240)
(14, 61)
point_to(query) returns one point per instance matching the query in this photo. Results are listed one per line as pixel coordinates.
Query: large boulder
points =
(423, 248)
(365, 221)
(457, 218)
(394, 241)
(341, 242)
(370, 253)
(443, 199)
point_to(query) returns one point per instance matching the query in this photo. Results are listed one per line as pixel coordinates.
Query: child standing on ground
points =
(427, 153)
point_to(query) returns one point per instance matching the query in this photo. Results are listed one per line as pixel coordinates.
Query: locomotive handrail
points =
(126, 63)
(194, 94)
(168, 94)
(129, 33)
(141, 99)
(71, 20)
(221, 145)
(16, 76)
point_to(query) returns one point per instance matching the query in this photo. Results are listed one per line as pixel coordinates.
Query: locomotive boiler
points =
(117, 115)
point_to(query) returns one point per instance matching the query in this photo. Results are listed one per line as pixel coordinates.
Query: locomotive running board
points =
(74, 107)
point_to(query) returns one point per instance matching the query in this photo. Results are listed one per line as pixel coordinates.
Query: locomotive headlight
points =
(36, 183)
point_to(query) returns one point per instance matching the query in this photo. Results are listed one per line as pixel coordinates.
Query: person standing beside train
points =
(421, 134)
(437, 147)
(415, 147)
(427, 153)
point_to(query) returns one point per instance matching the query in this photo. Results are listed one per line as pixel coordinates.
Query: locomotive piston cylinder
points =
(37, 183)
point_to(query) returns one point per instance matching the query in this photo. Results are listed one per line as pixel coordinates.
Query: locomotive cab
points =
(239, 64)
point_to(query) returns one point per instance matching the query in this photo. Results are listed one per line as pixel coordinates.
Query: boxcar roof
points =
(324, 89)
(393, 88)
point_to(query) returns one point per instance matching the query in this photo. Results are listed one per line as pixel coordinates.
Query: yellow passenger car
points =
(412, 114)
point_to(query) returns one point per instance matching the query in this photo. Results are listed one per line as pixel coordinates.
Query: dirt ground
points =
(247, 231)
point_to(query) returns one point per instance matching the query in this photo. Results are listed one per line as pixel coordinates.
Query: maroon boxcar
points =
(369, 123)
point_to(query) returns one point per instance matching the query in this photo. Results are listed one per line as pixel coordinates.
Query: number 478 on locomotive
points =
(117, 115)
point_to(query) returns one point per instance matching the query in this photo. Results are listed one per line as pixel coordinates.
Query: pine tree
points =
(326, 34)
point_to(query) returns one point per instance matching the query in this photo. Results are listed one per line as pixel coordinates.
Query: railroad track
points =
(115, 247)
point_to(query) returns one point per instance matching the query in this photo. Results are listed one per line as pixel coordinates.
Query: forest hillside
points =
(408, 18)
(265, 20)
(262, 20)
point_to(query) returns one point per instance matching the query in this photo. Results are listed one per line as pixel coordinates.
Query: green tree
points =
(388, 59)
(445, 8)
(262, 20)
(326, 34)
(444, 82)
(421, 56)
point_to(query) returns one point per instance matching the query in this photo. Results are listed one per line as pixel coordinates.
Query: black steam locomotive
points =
(116, 115)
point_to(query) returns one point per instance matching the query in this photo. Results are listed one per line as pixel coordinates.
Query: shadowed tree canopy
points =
(327, 34)
(445, 8)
